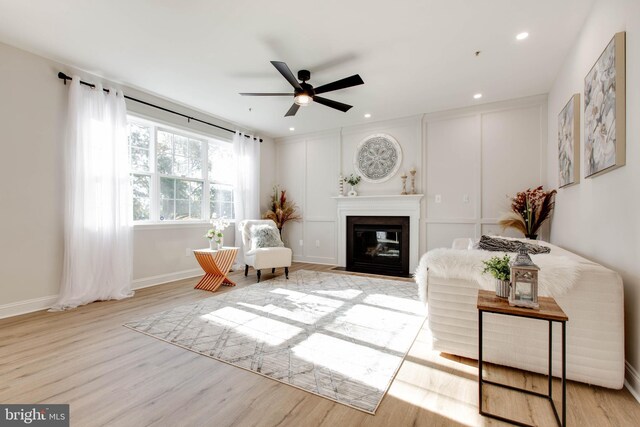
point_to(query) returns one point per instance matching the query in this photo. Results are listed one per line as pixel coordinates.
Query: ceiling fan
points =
(304, 93)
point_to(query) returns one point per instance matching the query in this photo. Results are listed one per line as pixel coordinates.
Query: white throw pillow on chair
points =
(265, 236)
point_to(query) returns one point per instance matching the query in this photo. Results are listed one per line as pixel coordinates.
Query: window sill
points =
(163, 225)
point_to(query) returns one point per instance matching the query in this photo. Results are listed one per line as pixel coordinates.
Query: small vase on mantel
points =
(352, 192)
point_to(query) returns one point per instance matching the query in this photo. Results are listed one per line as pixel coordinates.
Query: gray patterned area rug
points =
(340, 336)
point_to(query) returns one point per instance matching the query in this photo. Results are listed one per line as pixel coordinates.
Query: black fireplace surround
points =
(378, 245)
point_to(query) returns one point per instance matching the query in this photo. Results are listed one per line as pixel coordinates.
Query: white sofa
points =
(595, 330)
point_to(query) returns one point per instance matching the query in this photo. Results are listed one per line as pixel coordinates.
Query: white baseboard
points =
(44, 303)
(146, 282)
(26, 306)
(315, 260)
(632, 381)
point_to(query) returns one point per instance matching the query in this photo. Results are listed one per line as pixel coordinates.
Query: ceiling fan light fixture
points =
(302, 99)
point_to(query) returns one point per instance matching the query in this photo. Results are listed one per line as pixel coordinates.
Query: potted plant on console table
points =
(500, 270)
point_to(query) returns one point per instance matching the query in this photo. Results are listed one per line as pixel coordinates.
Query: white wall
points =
(33, 102)
(32, 115)
(598, 218)
(308, 169)
(485, 153)
(474, 159)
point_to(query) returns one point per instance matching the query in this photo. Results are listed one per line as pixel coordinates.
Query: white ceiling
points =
(415, 56)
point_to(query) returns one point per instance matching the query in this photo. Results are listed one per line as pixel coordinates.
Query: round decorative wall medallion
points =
(378, 157)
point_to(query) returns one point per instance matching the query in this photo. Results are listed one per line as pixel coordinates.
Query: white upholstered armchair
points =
(263, 257)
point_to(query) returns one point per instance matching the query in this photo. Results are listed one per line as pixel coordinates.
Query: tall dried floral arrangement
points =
(281, 210)
(529, 210)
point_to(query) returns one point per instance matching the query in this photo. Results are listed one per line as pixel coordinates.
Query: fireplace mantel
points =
(381, 205)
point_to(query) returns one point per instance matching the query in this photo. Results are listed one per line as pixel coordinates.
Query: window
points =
(176, 175)
(221, 174)
(139, 165)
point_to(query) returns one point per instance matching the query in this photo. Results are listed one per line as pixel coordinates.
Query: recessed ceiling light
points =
(292, 129)
(477, 96)
(522, 36)
(366, 116)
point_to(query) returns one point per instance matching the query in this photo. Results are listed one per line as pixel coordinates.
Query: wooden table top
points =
(207, 250)
(549, 308)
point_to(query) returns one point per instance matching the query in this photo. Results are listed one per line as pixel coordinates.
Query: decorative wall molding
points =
(381, 126)
(452, 219)
(632, 381)
(493, 107)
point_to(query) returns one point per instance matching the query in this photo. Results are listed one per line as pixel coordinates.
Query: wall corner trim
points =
(632, 381)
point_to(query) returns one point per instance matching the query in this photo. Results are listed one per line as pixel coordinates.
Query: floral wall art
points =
(569, 143)
(604, 110)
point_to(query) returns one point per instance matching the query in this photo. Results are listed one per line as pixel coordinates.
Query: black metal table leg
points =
(480, 358)
(564, 374)
(550, 360)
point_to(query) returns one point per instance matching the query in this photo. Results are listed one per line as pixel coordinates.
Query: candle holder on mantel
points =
(413, 180)
(404, 184)
(341, 186)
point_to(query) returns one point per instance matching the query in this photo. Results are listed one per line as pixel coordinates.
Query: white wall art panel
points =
(453, 150)
(406, 131)
(322, 171)
(319, 242)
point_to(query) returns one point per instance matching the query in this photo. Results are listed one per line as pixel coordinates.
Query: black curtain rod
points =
(64, 77)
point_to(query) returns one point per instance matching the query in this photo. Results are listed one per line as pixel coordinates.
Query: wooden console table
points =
(549, 311)
(216, 265)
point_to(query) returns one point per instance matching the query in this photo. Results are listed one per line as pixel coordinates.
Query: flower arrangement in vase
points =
(353, 181)
(529, 210)
(215, 233)
(281, 210)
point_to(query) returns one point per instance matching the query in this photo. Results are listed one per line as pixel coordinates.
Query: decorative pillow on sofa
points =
(503, 245)
(265, 236)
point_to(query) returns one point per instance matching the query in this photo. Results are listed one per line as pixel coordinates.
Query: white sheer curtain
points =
(246, 202)
(98, 229)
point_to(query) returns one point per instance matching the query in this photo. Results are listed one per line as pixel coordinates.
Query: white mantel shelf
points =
(380, 205)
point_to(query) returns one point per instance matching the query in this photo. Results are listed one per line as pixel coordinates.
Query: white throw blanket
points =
(558, 274)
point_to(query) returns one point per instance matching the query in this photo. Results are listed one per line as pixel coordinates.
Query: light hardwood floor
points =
(115, 376)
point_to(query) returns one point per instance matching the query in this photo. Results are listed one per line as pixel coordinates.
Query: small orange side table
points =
(216, 265)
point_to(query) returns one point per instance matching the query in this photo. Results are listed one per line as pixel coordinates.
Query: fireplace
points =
(378, 244)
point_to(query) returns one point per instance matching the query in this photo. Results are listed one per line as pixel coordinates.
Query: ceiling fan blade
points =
(292, 111)
(333, 104)
(354, 80)
(286, 73)
(267, 94)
